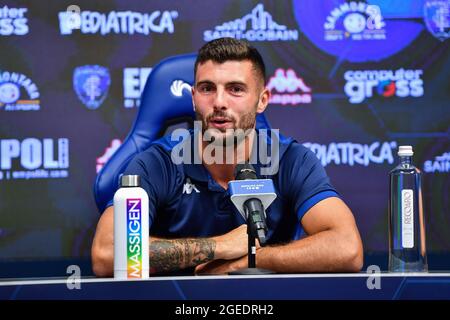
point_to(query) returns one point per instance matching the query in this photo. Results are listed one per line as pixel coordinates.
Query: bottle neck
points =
(406, 160)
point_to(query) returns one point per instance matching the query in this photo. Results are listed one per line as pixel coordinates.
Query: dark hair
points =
(226, 49)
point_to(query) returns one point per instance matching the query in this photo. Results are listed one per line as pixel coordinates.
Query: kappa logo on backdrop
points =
(286, 86)
(91, 84)
(255, 26)
(12, 85)
(355, 21)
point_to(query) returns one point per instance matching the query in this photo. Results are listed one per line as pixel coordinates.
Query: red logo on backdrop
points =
(109, 151)
(287, 88)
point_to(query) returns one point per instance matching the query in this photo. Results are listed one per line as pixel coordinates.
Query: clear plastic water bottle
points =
(407, 248)
(131, 230)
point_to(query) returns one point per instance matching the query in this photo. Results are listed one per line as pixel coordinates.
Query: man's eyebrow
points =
(204, 82)
(240, 83)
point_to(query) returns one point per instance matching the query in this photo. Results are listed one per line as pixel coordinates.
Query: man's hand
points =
(233, 244)
(221, 266)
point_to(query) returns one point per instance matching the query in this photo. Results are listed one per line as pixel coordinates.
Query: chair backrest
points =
(166, 96)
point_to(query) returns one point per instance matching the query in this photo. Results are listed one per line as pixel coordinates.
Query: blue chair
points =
(166, 96)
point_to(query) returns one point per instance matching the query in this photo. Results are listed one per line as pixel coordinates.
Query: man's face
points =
(228, 96)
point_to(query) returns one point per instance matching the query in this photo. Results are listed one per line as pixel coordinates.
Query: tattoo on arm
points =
(171, 255)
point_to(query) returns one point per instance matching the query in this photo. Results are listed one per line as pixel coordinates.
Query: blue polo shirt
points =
(185, 201)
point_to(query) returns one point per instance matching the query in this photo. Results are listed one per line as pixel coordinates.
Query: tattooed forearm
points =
(171, 255)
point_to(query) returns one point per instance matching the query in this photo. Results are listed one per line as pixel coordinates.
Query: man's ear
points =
(192, 94)
(263, 102)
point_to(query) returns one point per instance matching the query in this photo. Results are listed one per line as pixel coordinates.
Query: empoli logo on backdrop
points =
(91, 84)
(134, 80)
(34, 158)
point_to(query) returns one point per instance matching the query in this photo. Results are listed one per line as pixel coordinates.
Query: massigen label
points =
(134, 238)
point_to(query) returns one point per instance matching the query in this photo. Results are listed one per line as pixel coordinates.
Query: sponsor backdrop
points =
(350, 80)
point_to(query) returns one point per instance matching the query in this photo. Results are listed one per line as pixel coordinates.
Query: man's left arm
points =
(333, 244)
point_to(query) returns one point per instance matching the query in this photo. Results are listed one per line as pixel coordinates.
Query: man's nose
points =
(220, 100)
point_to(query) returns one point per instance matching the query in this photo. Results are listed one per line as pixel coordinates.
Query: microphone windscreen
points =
(244, 171)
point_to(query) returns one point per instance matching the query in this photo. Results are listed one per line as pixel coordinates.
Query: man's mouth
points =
(221, 122)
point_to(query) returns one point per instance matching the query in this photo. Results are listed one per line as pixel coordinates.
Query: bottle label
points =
(407, 218)
(134, 238)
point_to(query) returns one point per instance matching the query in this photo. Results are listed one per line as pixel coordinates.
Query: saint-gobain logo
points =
(255, 26)
(134, 238)
(13, 86)
(439, 164)
(355, 21)
(91, 84)
(287, 88)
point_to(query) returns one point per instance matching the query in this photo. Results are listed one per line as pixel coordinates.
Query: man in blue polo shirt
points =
(193, 224)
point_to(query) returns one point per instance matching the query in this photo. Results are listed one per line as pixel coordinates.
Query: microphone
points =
(251, 196)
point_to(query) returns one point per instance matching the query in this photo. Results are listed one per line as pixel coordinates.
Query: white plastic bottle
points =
(131, 230)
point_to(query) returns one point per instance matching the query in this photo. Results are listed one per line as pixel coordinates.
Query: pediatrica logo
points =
(348, 153)
(355, 21)
(13, 21)
(116, 22)
(91, 84)
(255, 26)
(362, 84)
(34, 158)
(287, 88)
(134, 80)
(14, 86)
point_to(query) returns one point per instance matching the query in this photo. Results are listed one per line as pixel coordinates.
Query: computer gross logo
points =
(363, 84)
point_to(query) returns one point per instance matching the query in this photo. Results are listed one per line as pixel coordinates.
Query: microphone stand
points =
(251, 269)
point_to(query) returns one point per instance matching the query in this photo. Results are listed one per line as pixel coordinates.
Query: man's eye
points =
(236, 89)
(206, 88)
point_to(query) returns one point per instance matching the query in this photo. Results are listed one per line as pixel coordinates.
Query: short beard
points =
(220, 136)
